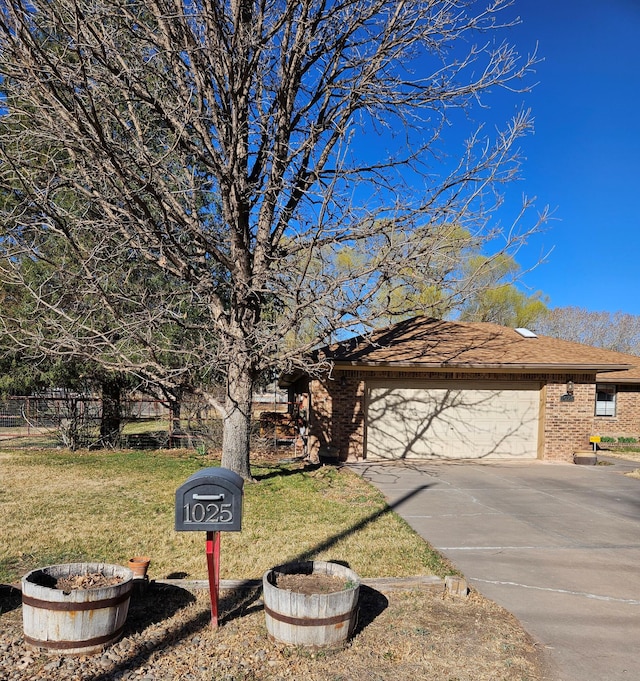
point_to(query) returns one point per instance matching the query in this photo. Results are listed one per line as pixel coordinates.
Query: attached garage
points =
(452, 420)
(432, 389)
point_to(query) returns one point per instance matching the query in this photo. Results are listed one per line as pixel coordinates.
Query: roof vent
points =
(525, 333)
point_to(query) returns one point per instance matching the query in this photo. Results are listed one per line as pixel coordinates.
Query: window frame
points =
(606, 408)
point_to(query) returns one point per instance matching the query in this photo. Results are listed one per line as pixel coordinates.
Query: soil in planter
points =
(310, 584)
(90, 580)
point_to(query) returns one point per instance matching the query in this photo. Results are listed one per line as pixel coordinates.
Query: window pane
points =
(605, 401)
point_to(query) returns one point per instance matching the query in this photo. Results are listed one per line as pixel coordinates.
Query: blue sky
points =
(584, 156)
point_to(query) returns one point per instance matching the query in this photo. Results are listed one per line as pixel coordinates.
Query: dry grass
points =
(630, 454)
(149, 426)
(59, 506)
(33, 437)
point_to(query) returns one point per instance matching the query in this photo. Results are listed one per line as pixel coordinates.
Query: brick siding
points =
(626, 422)
(567, 426)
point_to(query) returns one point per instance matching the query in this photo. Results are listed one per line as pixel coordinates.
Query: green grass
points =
(60, 506)
(141, 426)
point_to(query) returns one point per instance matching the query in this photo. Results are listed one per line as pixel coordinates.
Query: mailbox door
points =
(209, 502)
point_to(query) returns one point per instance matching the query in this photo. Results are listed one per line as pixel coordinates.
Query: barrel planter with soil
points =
(75, 608)
(313, 603)
(585, 458)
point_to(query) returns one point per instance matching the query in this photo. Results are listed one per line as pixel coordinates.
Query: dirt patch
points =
(314, 583)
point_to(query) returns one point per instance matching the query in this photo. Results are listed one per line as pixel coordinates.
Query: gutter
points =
(505, 368)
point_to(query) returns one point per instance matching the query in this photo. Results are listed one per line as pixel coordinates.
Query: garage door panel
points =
(399, 421)
(456, 421)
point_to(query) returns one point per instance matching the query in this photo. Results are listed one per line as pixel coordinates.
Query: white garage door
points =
(452, 420)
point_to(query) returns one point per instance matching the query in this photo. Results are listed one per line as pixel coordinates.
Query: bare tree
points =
(619, 331)
(213, 187)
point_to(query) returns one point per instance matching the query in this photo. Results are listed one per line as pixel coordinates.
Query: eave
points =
(539, 368)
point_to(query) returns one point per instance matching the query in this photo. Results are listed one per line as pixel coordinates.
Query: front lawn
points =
(60, 506)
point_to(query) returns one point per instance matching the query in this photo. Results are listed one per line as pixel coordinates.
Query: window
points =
(605, 400)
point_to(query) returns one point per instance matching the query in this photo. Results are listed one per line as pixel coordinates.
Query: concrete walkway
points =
(557, 545)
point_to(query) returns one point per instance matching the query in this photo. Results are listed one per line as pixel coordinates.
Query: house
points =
(433, 389)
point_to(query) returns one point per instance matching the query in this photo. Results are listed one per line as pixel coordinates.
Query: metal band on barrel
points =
(67, 645)
(308, 621)
(69, 606)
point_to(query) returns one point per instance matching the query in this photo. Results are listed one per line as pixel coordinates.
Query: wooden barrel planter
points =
(585, 458)
(76, 622)
(317, 620)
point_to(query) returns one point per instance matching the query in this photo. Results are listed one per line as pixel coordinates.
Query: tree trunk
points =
(110, 420)
(175, 422)
(236, 424)
(69, 425)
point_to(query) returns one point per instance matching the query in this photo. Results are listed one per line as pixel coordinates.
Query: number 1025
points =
(207, 513)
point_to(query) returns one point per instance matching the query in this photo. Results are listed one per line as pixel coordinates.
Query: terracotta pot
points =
(139, 565)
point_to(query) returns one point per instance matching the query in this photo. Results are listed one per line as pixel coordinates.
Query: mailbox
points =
(210, 500)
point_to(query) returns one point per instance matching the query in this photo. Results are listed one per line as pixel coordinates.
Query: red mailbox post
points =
(211, 500)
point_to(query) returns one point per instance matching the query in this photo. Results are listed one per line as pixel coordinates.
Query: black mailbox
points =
(210, 500)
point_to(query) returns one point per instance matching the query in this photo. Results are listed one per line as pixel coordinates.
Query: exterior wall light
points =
(568, 396)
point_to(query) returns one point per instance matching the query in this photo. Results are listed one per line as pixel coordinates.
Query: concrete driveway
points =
(558, 545)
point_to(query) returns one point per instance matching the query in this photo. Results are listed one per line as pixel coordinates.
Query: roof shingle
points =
(431, 343)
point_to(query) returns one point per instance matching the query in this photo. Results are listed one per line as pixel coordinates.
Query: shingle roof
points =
(431, 343)
(629, 376)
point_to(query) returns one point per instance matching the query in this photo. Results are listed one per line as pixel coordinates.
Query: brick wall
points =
(336, 417)
(337, 411)
(626, 422)
(566, 425)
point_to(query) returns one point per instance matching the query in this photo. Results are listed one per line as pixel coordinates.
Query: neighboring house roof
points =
(630, 376)
(426, 343)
